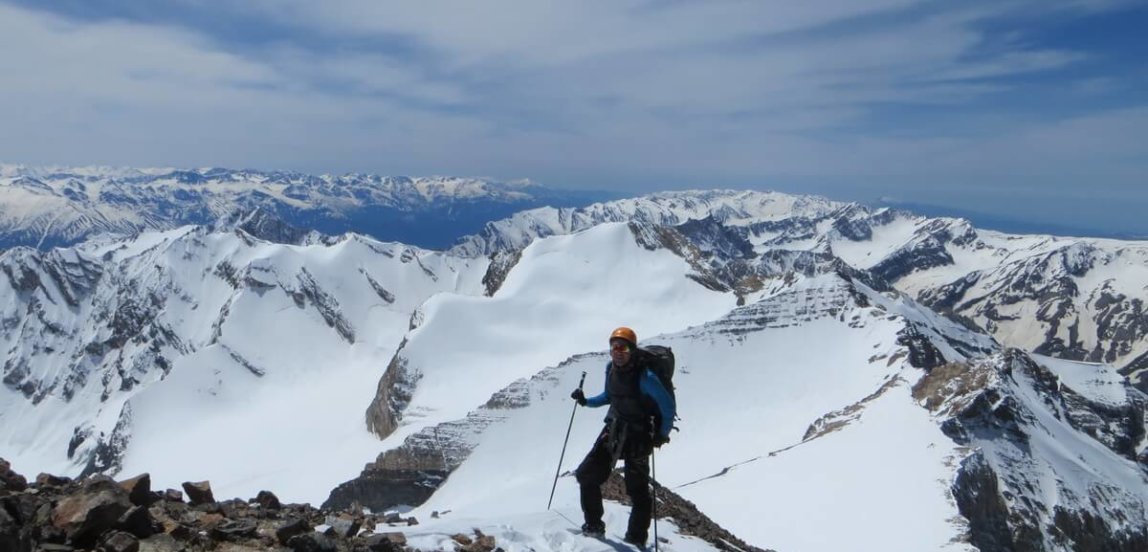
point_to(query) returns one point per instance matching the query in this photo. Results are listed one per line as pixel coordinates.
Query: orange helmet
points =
(625, 333)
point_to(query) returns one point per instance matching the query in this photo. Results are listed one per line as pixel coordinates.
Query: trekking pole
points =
(563, 456)
(654, 496)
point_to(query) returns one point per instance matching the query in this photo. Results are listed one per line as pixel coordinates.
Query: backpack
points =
(660, 360)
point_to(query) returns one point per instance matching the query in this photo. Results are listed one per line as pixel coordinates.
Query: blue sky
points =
(1026, 109)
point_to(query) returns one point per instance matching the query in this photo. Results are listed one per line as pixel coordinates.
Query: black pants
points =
(596, 468)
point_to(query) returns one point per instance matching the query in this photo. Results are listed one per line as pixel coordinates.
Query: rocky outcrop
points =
(1074, 310)
(391, 397)
(1020, 492)
(60, 515)
(108, 454)
(325, 303)
(412, 472)
(923, 254)
(500, 264)
(263, 224)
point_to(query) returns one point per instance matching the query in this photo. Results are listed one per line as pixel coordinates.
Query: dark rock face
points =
(1137, 372)
(198, 492)
(381, 291)
(1120, 427)
(392, 396)
(994, 527)
(109, 450)
(409, 474)
(265, 225)
(716, 239)
(382, 489)
(1093, 324)
(924, 254)
(326, 304)
(1002, 489)
(978, 497)
(96, 514)
(852, 229)
(922, 353)
(1089, 533)
(500, 264)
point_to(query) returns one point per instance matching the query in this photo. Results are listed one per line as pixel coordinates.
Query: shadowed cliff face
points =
(1013, 488)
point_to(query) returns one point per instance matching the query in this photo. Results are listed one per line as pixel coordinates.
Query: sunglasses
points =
(620, 346)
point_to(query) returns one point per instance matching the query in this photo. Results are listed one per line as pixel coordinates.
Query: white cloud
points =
(533, 33)
(132, 94)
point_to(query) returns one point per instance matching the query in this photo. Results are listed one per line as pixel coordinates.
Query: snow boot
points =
(595, 530)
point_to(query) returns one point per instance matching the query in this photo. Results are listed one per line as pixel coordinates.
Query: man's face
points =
(620, 352)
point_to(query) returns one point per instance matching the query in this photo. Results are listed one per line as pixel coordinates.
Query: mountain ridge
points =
(60, 206)
(1094, 313)
(250, 335)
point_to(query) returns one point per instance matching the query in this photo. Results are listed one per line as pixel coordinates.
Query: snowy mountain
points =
(824, 398)
(127, 354)
(823, 401)
(1072, 298)
(52, 206)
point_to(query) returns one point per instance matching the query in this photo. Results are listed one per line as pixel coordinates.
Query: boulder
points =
(49, 480)
(84, 516)
(291, 528)
(198, 492)
(28, 509)
(14, 481)
(234, 529)
(344, 526)
(268, 500)
(312, 542)
(161, 543)
(386, 542)
(119, 541)
(137, 521)
(10, 533)
(138, 489)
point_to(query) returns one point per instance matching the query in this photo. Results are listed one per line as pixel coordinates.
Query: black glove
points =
(660, 440)
(579, 396)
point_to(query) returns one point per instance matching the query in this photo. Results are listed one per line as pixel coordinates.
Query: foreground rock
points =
(100, 514)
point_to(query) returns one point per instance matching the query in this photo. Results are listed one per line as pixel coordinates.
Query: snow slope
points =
(564, 294)
(178, 346)
(750, 385)
(1072, 298)
(815, 416)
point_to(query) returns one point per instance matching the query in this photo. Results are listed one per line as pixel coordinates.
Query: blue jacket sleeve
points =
(603, 398)
(652, 386)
